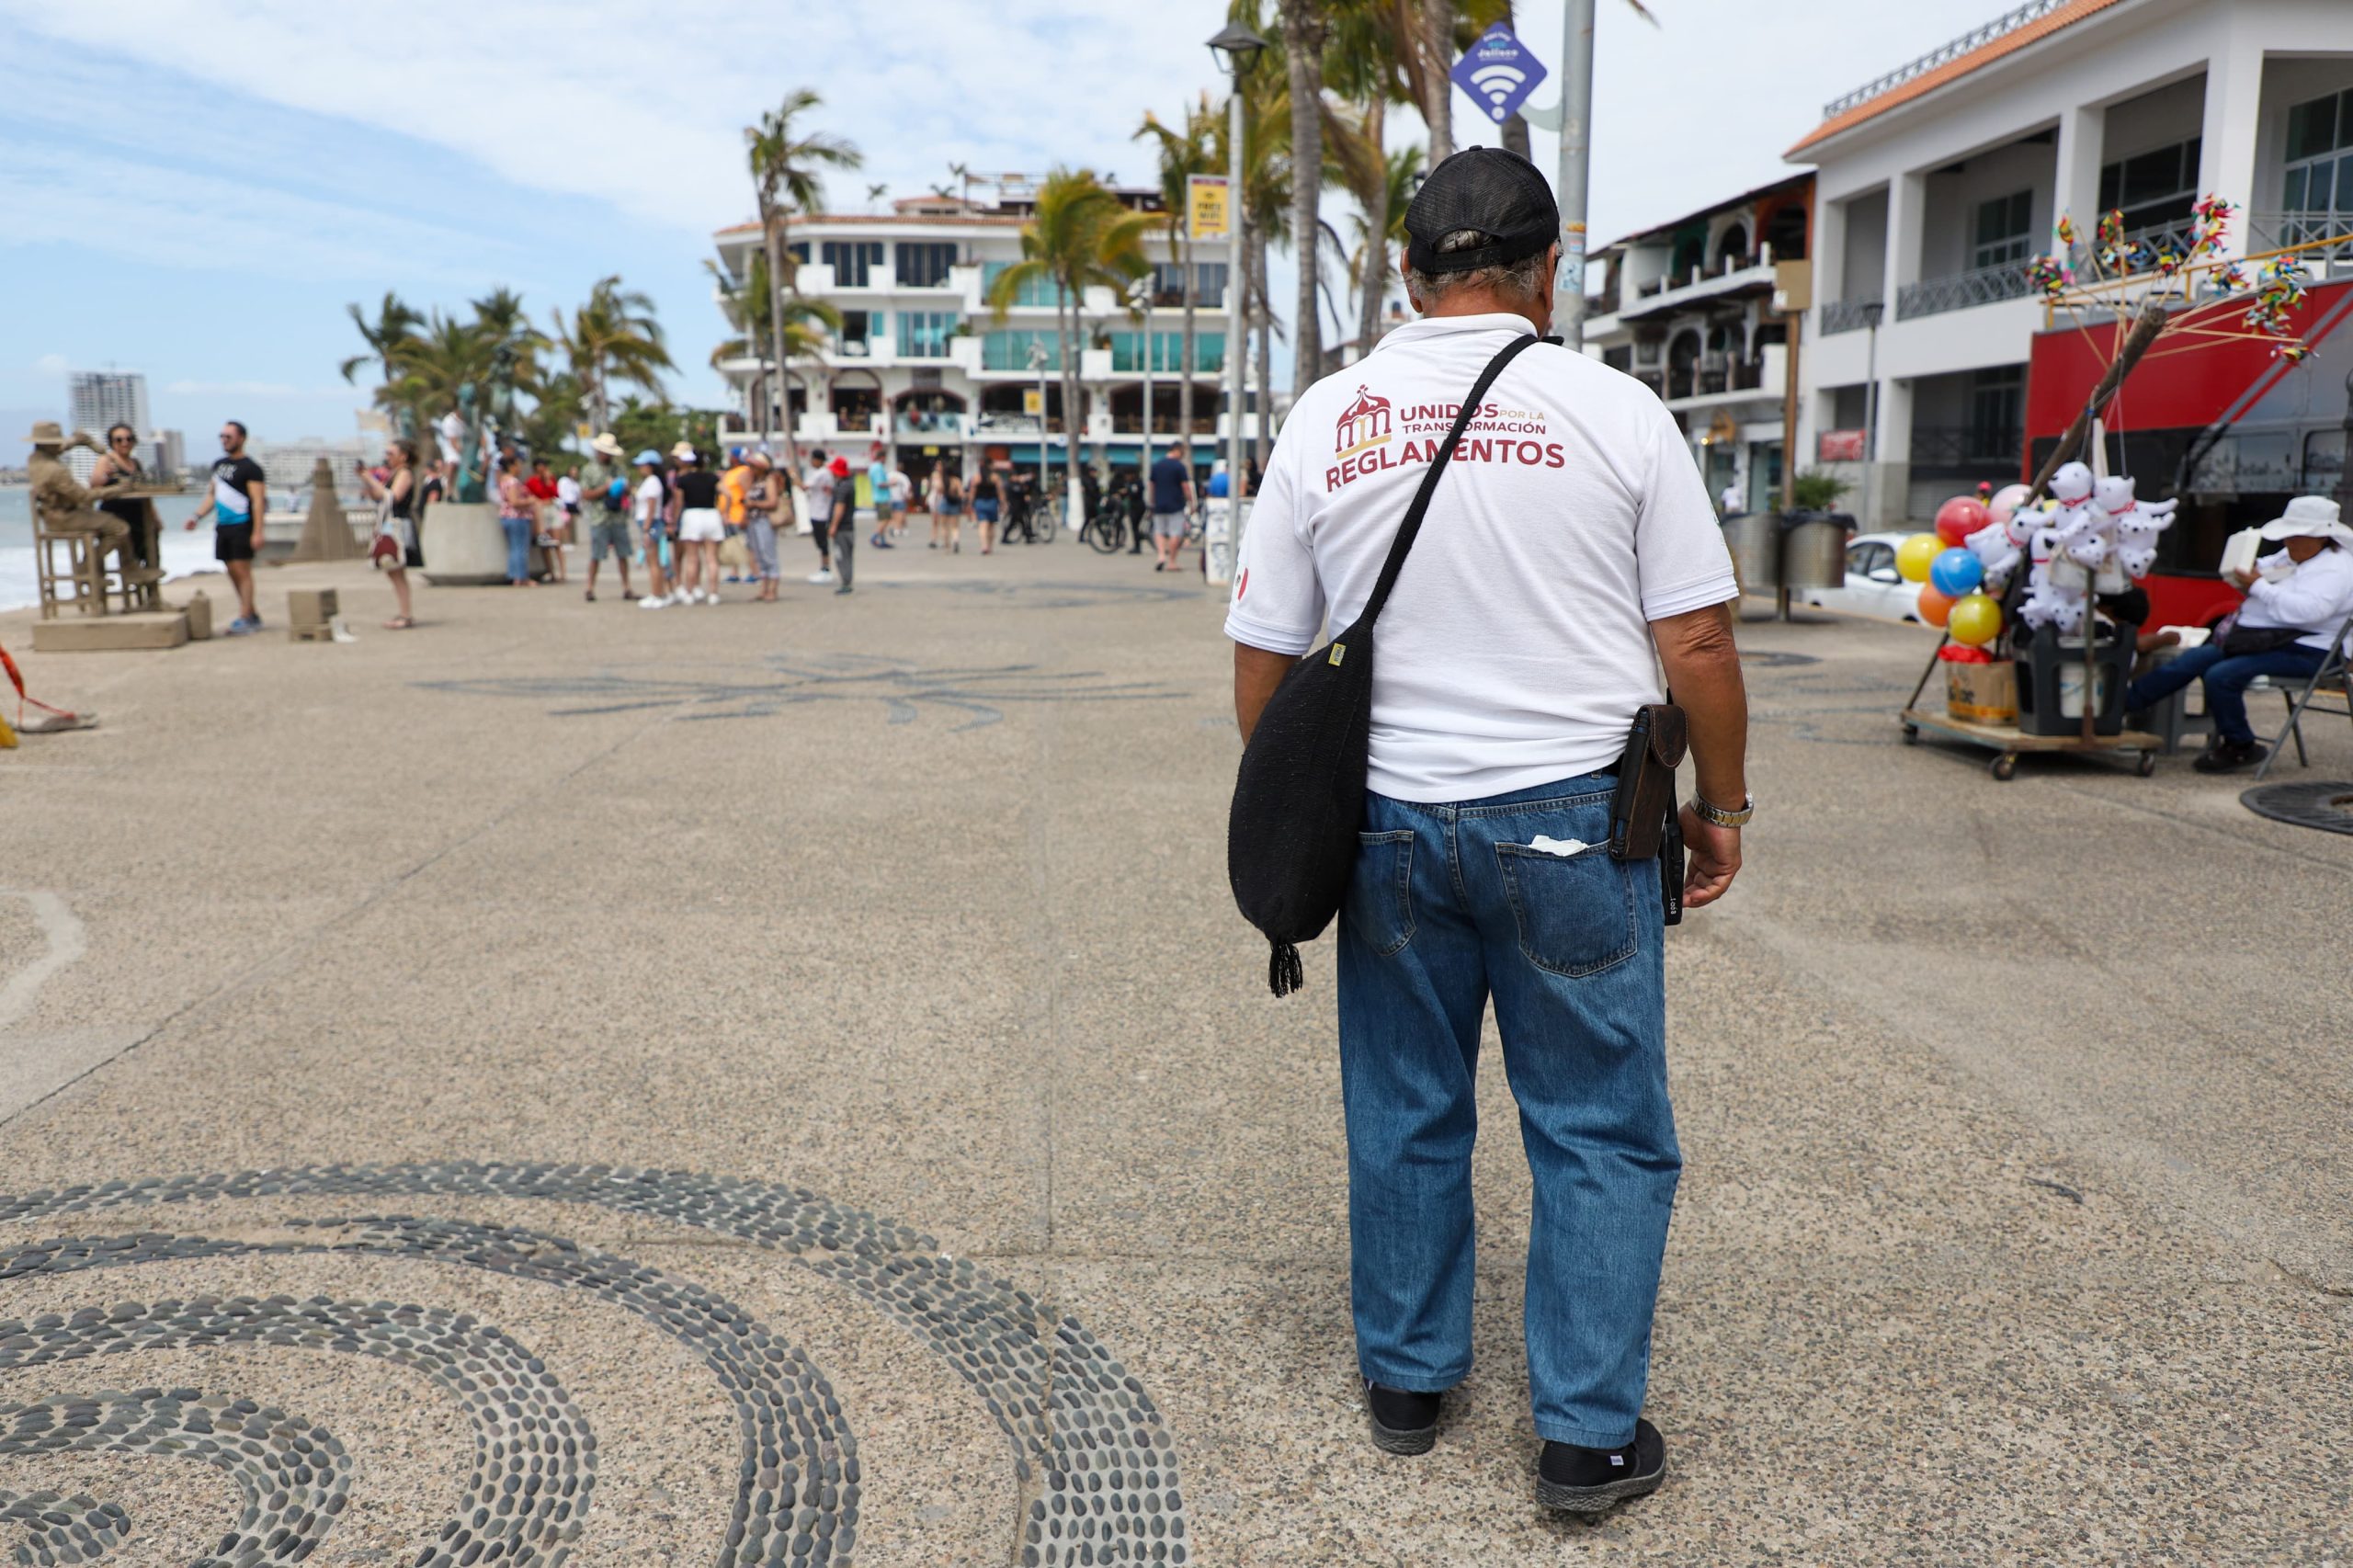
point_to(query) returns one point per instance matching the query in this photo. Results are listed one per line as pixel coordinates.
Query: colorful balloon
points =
(1975, 619)
(2007, 501)
(1956, 572)
(1960, 517)
(1916, 556)
(1935, 607)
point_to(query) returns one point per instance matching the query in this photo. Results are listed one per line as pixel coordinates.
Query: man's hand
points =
(2240, 580)
(1711, 858)
(190, 524)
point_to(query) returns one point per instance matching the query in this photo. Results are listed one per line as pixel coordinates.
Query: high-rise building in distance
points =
(95, 399)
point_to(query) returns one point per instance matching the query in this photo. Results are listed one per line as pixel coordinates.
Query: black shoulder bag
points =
(1290, 838)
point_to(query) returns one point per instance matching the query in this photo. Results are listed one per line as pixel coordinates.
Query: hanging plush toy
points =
(2133, 525)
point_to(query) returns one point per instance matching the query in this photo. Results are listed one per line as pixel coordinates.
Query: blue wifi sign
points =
(1498, 72)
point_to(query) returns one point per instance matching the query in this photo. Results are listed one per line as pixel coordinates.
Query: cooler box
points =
(2051, 681)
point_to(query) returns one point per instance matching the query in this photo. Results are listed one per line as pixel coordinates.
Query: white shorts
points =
(700, 525)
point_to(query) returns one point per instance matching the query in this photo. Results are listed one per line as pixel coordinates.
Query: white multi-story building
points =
(1695, 309)
(920, 362)
(1936, 183)
(97, 399)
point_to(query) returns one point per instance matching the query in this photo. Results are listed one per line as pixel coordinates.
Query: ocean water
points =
(186, 555)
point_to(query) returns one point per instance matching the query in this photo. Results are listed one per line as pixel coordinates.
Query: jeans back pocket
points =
(1575, 911)
(1379, 908)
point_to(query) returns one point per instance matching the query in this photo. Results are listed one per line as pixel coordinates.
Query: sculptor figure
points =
(67, 506)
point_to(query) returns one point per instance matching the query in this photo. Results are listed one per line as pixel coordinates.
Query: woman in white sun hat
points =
(2296, 601)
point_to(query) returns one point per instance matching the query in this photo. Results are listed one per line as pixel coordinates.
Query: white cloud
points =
(51, 365)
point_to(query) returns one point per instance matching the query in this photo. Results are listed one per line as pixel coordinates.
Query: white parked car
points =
(1873, 585)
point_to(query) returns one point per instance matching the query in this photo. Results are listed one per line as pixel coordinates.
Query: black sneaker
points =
(1403, 1423)
(2229, 756)
(1589, 1481)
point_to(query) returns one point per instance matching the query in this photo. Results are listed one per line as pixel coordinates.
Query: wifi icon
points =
(1497, 84)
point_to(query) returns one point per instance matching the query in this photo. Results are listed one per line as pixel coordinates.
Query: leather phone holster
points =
(1645, 798)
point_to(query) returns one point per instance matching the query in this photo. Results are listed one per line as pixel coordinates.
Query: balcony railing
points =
(2330, 235)
(1967, 448)
(1960, 291)
(1715, 373)
(1847, 315)
(1976, 38)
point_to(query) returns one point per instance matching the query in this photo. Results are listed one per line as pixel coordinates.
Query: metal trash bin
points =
(1755, 541)
(1814, 550)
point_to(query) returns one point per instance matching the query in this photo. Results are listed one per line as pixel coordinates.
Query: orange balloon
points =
(1935, 607)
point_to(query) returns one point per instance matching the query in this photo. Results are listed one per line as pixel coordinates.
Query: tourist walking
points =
(519, 519)
(987, 496)
(817, 484)
(651, 501)
(1172, 505)
(1563, 563)
(553, 534)
(695, 500)
(935, 489)
(886, 500)
(765, 498)
(902, 499)
(845, 530)
(395, 495)
(735, 491)
(240, 503)
(604, 489)
(952, 507)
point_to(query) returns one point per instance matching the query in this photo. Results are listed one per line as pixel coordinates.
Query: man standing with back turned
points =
(1569, 552)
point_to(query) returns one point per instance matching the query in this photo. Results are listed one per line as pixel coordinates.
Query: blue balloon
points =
(1955, 573)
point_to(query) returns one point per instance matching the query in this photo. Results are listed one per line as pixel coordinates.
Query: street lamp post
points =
(1576, 145)
(1038, 363)
(1872, 311)
(1235, 47)
(1141, 299)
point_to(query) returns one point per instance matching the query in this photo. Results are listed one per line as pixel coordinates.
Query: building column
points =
(2226, 156)
(1891, 457)
(1827, 246)
(1905, 219)
(2074, 187)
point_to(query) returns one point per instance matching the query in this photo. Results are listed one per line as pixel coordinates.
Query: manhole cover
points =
(1764, 660)
(2326, 804)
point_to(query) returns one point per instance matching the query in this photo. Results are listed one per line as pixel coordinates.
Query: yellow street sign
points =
(1033, 402)
(1208, 210)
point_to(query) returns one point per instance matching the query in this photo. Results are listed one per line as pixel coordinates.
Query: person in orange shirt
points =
(734, 490)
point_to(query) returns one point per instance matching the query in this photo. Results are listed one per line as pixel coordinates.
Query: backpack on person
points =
(1290, 837)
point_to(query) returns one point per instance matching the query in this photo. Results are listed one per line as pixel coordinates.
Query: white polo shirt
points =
(1516, 645)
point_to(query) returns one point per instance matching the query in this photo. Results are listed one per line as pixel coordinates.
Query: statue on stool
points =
(64, 507)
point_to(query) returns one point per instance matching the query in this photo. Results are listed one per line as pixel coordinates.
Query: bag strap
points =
(1413, 514)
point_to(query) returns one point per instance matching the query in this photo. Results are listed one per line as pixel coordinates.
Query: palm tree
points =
(1198, 151)
(786, 165)
(1306, 25)
(435, 363)
(1080, 236)
(613, 337)
(1380, 224)
(387, 338)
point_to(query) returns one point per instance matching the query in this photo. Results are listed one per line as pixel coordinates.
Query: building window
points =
(1167, 352)
(799, 251)
(2153, 189)
(924, 334)
(1042, 292)
(853, 261)
(2004, 227)
(924, 266)
(856, 327)
(1996, 415)
(1209, 283)
(1009, 350)
(2320, 158)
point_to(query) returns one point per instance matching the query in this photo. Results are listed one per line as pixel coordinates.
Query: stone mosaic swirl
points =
(1097, 1469)
(535, 1457)
(293, 1475)
(49, 1528)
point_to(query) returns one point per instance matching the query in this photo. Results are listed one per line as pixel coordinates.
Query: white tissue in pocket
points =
(1565, 848)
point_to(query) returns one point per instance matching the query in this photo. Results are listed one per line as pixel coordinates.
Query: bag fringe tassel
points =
(1284, 974)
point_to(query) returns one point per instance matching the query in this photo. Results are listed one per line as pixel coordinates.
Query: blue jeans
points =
(1449, 905)
(518, 546)
(2226, 680)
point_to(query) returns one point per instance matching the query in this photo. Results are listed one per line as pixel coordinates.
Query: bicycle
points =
(1106, 530)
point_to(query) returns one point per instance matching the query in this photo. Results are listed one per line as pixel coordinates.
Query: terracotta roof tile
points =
(1950, 70)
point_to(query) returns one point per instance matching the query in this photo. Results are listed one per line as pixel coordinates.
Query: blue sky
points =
(197, 190)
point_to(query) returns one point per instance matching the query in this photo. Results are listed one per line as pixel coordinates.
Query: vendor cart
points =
(2009, 742)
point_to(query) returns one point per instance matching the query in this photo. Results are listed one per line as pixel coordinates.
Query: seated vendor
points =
(2295, 602)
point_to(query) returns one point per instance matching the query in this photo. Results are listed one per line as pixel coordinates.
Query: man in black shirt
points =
(239, 501)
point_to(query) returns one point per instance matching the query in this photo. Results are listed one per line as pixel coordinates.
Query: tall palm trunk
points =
(1437, 20)
(1373, 278)
(1185, 388)
(1073, 346)
(779, 396)
(1304, 28)
(1262, 438)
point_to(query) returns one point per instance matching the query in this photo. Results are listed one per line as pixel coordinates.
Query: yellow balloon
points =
(1975, 618)
(1916, 554)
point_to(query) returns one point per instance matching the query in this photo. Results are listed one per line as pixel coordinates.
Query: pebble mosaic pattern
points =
(534, 1454)
(295, 1477)
(1095, 1462)
(49, 1529)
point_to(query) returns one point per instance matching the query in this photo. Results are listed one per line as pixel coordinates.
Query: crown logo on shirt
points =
(1364, 423)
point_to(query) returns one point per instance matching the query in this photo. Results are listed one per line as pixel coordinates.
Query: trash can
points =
(2051, 681)
(1755, 541)
(1814, 550)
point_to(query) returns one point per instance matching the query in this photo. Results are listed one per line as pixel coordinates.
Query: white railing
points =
(1960, 291)
(1976, 38)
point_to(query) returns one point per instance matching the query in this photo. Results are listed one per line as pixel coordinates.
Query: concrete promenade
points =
(820, 1106)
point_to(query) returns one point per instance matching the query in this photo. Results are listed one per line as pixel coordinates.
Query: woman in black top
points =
(695, 504)
(396, 518)
(118, 464)
(986, 495)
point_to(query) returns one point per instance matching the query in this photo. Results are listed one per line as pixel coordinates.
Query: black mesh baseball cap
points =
(1500, 194)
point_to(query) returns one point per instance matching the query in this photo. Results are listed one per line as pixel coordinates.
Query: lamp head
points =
(1235, 47)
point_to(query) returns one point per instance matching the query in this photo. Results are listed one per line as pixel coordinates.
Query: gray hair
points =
(1521, 279)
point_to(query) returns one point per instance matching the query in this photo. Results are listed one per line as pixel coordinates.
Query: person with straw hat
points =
(604, 495)
(2296, 601)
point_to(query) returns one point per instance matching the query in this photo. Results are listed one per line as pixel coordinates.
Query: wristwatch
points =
(1722, 818)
